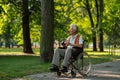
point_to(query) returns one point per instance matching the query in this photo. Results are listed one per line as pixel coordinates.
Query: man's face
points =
(72, 31)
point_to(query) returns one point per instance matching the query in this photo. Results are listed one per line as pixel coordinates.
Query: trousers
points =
(66, 53)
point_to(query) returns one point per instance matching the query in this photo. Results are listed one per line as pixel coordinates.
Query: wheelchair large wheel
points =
(83, 64)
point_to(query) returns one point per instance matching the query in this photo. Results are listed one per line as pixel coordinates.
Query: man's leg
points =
(56, 58)
(65, 63)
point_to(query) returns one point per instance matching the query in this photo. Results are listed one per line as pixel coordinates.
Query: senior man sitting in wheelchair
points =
(73, 44)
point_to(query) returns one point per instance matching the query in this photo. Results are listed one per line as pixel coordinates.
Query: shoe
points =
(65, 69)
(54, 69)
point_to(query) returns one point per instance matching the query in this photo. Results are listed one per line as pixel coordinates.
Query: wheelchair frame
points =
(82, 65)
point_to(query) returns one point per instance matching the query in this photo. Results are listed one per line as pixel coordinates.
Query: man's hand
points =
(67, 43)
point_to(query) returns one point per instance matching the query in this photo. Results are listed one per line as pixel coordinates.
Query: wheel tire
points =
(83, 64)
(58, 73)
(73, 73)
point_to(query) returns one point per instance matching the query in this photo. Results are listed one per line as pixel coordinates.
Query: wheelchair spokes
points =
(84, 64)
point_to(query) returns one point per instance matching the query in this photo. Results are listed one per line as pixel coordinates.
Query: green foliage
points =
(10, 22)
(66, 12)
(35, 19)
(111, 22)
(12, 19)
(72, 12)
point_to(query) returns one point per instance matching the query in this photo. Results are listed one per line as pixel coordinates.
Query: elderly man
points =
(74, 45)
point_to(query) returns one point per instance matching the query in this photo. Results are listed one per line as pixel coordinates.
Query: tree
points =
(112, 24)
(47, 30)
(100, 28)
(99, 16)
(7, 23)
(26, 29)
(92, 25)
(13, 22)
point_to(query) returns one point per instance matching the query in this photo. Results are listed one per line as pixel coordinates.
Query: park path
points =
(104, 71)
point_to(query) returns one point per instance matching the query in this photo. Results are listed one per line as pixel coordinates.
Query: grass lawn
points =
(12, 65)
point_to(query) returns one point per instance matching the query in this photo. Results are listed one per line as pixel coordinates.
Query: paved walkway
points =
(104, 71)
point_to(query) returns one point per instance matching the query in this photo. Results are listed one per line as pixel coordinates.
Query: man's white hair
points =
(74, 26)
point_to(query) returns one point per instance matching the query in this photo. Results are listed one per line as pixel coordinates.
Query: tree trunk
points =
(26, 30)
(101, 40)
(101, 30)
(92, 25)
(7, 36)
(97, 10)
(47, 30)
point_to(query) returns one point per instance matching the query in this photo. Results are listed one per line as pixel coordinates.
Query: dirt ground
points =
(104, 71)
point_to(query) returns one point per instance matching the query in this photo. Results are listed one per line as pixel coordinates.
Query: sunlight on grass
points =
(16, 51)
(12, 53)
(102, 53)
(106, 52)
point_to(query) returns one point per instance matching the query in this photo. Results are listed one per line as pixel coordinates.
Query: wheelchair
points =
(80, 64)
